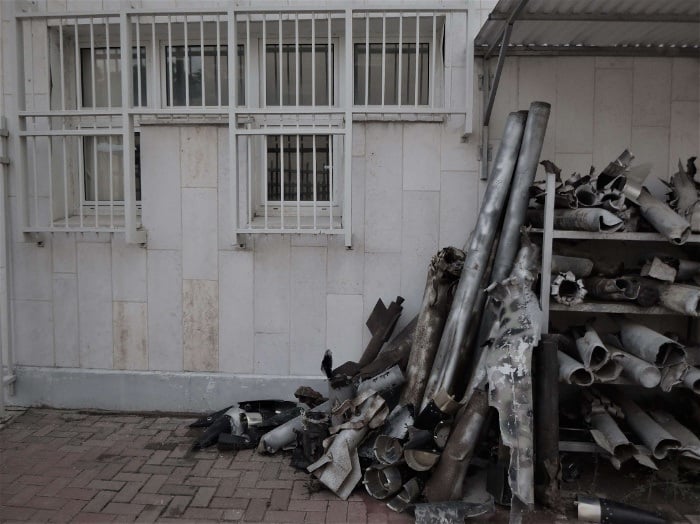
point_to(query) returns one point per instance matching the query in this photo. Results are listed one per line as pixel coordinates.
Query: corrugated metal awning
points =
(594, 27)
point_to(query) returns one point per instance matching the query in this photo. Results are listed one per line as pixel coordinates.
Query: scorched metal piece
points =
(608, 436)
(443, 273)
(681, 298)
(447, 480)
(579, 266)
(684, 196)
(567, 289)
(621, 288)
(283, 435)
(652, 435)
(451, 354)
(606, 511)
(572, 371)
(381, 324)
(451, 512)
(382, 481)
(587, 219)
(409, 492)
(690, 443)
(692, 380)
(634, 368)
(664, 219)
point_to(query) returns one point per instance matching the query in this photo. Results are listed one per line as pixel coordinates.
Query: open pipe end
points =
(650, 377)
(670, 353)
(681, 238)
(599, 357)
(609, 223)
(664, 446)
(581, 377)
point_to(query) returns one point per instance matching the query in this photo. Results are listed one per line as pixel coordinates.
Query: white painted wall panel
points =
(130, 329)
(165, 310)
(160, 186)
(272, 354)
(95, 304)
(651, 95)
(200, 325)
(345, 325)
(63, 253)
(419, 243)
(573, 127)
(685, 132)
(458, 207)
(236, 299)
(65, 320)
(226, 233)
(32, 271)
(612, 117)
(382, 280)
(272, 268)
(198, 158)
(33, 336)
(456, 152)
(307, 335)
(129, 270)
(685, 82)
(199, 236)
(650, 145)
(421, 157)
(383, 185)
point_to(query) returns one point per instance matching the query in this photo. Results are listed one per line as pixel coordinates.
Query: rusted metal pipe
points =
(447, 480)
(443, 273)
(681, 298)
(409, 492)
(572, 371)
(652, 435)
(451, 351)
(684, 197)
(690, 443)
(387, 450)
(635, 369)
(608, 436)
(664, 219)
(579, 266)
(586, 219)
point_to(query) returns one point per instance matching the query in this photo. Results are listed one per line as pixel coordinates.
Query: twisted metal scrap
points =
(516, 331)
(683, 197)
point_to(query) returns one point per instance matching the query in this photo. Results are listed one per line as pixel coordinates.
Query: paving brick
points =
(318, 517)
(224, 473)
(246, 465)
(203, 496)
(203, 481)
(132, 477)
(252, 493)
(284, 516)
(120, 508)
(53, 487)
(152, 499)
(301, 490)
(150, 513)
(226, 487)
(35, 480)
(177, 489)
(177, 506)
(337, 511)
(158, 457)
(229, 503)
(154, 484)
(256, 510)
(90, 518)
(77, 493)
(202, 468)
(203, 513)
(179, 475)
(270, 471)
(249, 479)
(128, 492)
(280, 499)
(156, 470)
(275, 484)
(23, 496)
(233, 514)
(84, 478)
(110, 471)
(357, 512)
(99, 502)
(15, 513)
(377, 518)
(106, 485)
(308, 505)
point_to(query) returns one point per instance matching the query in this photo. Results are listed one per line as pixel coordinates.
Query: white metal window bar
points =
(298, 77)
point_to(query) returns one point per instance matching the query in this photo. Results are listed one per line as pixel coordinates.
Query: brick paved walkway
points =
(71, 466)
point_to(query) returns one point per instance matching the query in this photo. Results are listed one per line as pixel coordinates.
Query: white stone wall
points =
(191, 302)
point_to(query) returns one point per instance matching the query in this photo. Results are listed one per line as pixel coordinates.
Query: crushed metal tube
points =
(455, 512)
(567, 289)
(571, 371)
(664, 219)
(684, 196)
(691, 380)
(652, 435)
(579, 266)
(690, 443)
(589, 219)
(621, 288)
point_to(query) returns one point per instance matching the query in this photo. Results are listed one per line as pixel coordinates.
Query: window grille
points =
(299, 77)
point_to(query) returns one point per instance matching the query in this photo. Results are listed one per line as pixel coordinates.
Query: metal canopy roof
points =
(594, 27)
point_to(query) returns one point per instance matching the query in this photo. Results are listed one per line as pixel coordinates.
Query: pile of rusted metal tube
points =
(406, 419)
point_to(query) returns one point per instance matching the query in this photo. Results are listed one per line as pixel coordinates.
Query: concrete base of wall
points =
(72, 388)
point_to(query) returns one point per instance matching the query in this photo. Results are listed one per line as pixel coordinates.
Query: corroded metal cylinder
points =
(652, 435)
(572, 371)
(447, 480)
(443, 272)
(452, 354)
(664, 219)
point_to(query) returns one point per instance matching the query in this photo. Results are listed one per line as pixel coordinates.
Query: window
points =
(201, 75)
(312, 170)
(408, 71)
(103, 81)
(104, 169)
(324, 74)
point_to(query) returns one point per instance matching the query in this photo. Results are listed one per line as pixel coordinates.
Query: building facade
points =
(169, 250)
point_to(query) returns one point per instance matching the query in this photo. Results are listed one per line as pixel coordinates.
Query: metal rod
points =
(93, 65)
(170, 61)
(65, 181)
(383, 55)
(399, 80)
(203, 75)
(138, 61)
(108, 59)
(313, 175)
(313, 63)
(78, 82)
(296, 60)
(497, 76)
(415, 89)
(49, 160)
(298, 186)
(431, 80)
(366, 59)
(187, 64)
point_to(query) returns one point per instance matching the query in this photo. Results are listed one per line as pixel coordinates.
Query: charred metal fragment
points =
(587, 219)
(567, 289)
(579, 266)
(452, 353)
(591, 349)
(283, 435)
(309, 396)
(443, 274)
(310, 439)
(382, 481)
(447, 480)
(207, 420)
(687, 269)
(591, 509)
(587, 196)
(681, 298)
(607, 435)
(409, 492)
(692, 380)
(420, 459)
(395, 353)
(572, 371)
(659, 269)
(649, 345)
(621, 288)
(690, 443)
(664, 219)
(634, 368)
(381, 324)
(387, 450)
(684, 197)
(652, 435)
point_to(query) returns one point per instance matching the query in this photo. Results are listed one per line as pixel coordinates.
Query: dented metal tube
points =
(450, 350)
(692, 380)
(572, 371)
(281, 436)
(587, 219)
(579, 266)
(664, 219)
(652, 435)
